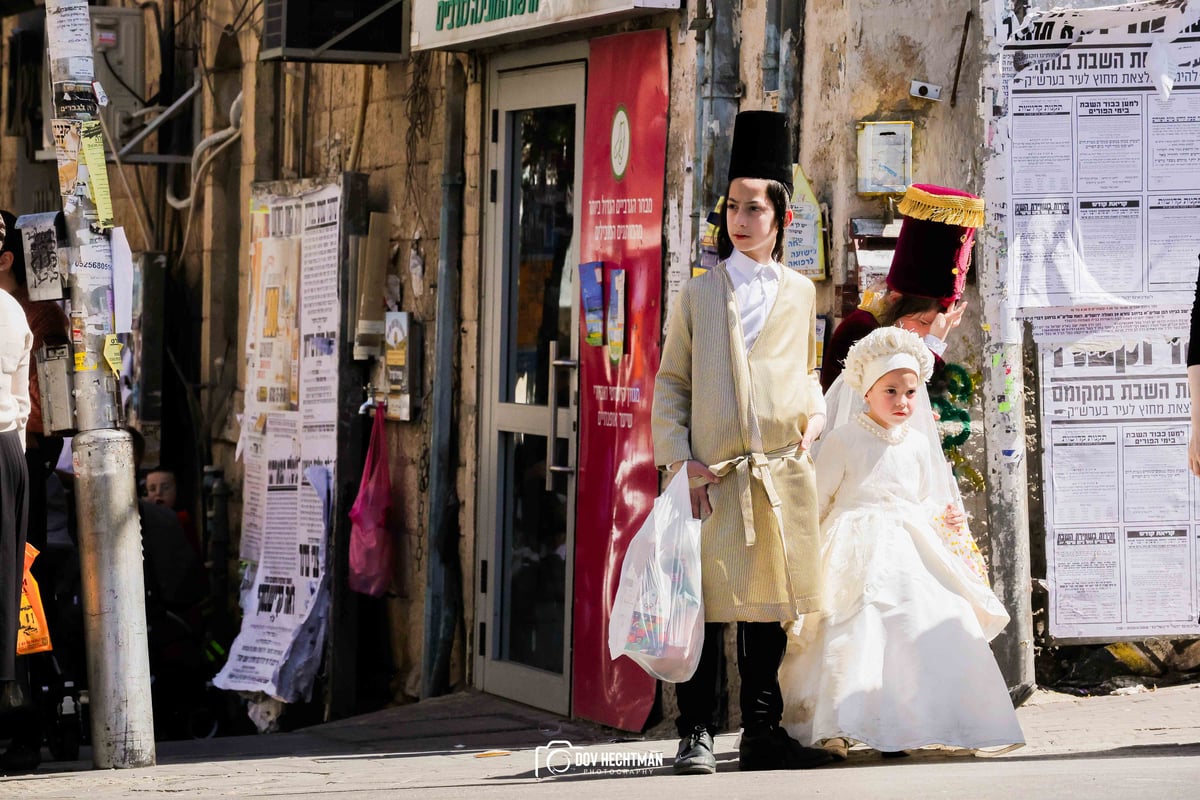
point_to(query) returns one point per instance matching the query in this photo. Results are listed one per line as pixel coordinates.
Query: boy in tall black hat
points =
(737, 404)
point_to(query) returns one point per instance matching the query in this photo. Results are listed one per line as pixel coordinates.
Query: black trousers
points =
(760, 648)
(14, 508)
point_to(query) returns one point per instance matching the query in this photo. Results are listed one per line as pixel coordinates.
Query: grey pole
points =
(109, 528)
(1004, 400)
(1007, 481)
(114, 604)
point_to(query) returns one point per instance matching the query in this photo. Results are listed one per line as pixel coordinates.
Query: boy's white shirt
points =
(755, 286)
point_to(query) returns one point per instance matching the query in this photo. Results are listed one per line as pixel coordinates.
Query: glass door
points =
(528, 388)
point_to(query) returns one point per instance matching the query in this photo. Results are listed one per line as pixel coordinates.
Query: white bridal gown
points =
(899, 656)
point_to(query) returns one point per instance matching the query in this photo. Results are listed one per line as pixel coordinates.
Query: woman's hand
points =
(948, 320)
(1193, 374)
(699, 473)
(953, 516)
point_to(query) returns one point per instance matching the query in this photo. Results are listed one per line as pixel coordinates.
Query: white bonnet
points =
(880, 352)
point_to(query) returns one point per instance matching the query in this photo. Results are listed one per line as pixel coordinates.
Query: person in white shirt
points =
(737, 405)
(16, 340)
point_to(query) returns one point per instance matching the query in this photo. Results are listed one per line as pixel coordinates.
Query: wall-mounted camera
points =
(925, 91)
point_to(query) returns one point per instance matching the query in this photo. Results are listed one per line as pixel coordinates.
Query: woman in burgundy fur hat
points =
(926, 280)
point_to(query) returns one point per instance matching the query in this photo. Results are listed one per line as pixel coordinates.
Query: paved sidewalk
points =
(472, 745)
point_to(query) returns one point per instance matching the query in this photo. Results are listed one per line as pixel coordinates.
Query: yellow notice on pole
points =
(92, 155)
(86, 362)
(112, 353)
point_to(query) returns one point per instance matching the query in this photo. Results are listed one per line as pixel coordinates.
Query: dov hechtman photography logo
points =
(560, 757)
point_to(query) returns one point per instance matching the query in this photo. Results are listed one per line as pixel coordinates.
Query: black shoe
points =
(774, 749)
(695, 756)
(20, 758)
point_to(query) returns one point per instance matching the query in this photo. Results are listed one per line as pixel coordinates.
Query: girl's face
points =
(750, 218)
(920, 324)
(890, 400)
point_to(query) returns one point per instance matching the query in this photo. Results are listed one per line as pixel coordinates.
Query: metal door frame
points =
(514, 81)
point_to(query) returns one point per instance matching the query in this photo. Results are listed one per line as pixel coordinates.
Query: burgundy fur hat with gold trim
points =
(933, 252)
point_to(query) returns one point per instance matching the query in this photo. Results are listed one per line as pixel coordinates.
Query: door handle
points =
(552, 406)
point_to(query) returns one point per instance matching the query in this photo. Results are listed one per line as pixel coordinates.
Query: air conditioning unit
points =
(119, 45)
(348, 31)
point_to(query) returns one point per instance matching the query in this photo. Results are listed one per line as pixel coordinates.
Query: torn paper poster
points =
(1103, 173)
(1121, 521)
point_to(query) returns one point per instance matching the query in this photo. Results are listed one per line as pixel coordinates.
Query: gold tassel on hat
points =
(950, 209)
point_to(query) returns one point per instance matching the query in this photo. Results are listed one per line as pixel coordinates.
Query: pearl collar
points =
(892, 435)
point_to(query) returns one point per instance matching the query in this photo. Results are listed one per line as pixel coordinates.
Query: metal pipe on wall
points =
(725, 92)
(791, 61)
(700, 198)
(443, 585)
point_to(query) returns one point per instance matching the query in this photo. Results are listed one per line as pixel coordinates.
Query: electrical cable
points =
(238, 15)
(184, 16)
(187, 229)
(235, 126)
(120, 80)
(137, 212)
(361, 124)
(158, 29)
(418, 109)
(249, 16)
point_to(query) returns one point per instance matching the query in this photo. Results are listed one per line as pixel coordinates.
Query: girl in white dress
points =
(899, 656)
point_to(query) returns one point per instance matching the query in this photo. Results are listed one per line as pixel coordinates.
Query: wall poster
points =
(1102, 116)
(289, 427)
(1122, 509)
(1104, 185)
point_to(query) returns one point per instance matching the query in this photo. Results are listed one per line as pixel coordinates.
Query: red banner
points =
(624, 170)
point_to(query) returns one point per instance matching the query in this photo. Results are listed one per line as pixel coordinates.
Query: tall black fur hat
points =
(762, 147)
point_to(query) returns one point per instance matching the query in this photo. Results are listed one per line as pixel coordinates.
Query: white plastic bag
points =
(657, 617)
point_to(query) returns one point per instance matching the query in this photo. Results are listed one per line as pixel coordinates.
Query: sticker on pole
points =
(112, 353)
(74, 98)
(86, 362)
(92, 144)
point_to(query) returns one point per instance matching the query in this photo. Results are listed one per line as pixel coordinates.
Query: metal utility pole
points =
(110, 543)
(1004, 398)
(1007, 481)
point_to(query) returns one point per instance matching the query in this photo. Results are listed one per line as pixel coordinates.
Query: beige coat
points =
(754, 568)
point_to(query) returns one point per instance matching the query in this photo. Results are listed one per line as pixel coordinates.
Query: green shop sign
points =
(461, 13)
(466, 24)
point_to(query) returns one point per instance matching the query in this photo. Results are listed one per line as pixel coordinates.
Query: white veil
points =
(843, 404)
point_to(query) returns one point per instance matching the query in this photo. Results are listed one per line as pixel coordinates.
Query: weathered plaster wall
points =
(860, 57)
(301, 121)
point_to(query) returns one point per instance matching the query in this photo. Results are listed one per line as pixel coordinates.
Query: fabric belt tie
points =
(756, 465)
